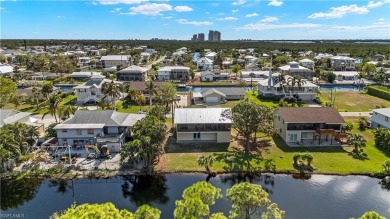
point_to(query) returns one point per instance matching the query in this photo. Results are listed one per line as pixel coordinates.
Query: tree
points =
(273, 212)
(7, 89)
(347, 127)
(196, 201)
(206, 161)
(158, 111)
(47, 89)
(380, 76)
(15, 101)
(246, 198)
(300, 81)
(382, 138)
(236, 68)
(151, 88)
(112, 90)
(371, 215)
(252, 75)
(356, 140)
(132, 93)
(53, 106)
(386, 167)
(107, 210)
(247, 116)
(66, 111)
(140, 99)
(50, 131)
(148, 134)
(168, 95)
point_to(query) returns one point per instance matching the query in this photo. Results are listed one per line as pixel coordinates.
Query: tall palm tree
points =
(103, 104)
(140, 99)
(53, 106)
(356, 140)
(132, 93)
(252, 75)
(151, 87)
(300, 81)
(291, 81)
(112, 90)
(65, 111)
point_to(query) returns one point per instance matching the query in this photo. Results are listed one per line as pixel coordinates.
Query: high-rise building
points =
(200, 37)
(214, 36)
(194, 38)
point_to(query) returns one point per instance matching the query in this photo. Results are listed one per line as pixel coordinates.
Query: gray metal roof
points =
(107, 117)
(80, 126)
(11, 116)
(200, 116)
(212, 91)
(227, 90)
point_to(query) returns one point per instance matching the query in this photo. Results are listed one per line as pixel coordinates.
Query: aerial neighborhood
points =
(135, 107)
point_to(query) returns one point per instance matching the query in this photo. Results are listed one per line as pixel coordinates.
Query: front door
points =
(197, 136)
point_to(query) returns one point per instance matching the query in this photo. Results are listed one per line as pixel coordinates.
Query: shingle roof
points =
(227, 90)
(107, 117)
(11, 116)
(200, 116)
(311, 115)
(211, 91)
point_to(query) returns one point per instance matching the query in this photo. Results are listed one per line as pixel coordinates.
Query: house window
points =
(293, 137)
(90, 131)
(304, 135)
(78, 131)
(64, 130)
(280, 130)
(386, 118)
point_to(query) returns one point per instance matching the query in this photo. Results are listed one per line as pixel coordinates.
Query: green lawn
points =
(354, 101)
(130, 106)
(331, 160)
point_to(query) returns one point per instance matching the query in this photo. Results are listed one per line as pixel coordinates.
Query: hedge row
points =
(380, 92)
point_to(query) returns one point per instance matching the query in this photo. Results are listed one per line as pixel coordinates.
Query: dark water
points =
(341, 88)
(319, 197)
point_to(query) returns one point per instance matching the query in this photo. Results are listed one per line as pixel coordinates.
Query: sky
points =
(180, 19)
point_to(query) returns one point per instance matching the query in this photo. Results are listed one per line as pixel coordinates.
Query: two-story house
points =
(308, 125)
(91, 91)
(294, 69)
(98, 127)
(173, 73)
(202, 124)
(380, 118)
(342, 63)
(115, 60)
(204, 64)
(307, 63)
(132, 73)
(214, 76)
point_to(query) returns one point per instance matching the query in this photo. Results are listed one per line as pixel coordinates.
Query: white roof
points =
(84, 74)
(196, 95)
(170, 68)
(342, 58)
(306, 60)
(346, 73)
(205, 60)
(131, 119)
(383, 111)
(211, 54)
(133, 68)
(80, 126)
(247, 73)
(200, 116)
(212, 91)
(6, 69)
(115, 58)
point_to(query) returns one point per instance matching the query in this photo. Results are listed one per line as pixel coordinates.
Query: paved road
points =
(355, 114)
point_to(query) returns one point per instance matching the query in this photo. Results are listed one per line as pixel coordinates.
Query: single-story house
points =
(380, 118)
(202, 124)
(8, 116)
(214, 76)
(220, 94)
(83, 74)
(346, 75)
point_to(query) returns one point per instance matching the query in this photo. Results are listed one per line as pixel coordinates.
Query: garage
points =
(211, 99)
(208, 136)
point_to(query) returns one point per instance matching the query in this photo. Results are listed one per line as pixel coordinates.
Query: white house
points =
(204, 64)
(346, 75)
(308, 125)
(202, 124)
(272, 86)
(98, 127)
(294, 69)
(258, 75)
(342, 63)
(91, 91)
(145, 56)
(211, 55)
(8, 116)
(115, 60)
(307, 63)
(5, 69)
(132, 73)
(221, 94)
(169, 73)
(380, 118)
(84, 74)
(214, 76)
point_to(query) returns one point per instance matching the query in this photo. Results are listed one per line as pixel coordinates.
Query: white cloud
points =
(338, 12)
(183, 9)
(275, 3)
(60, 17)
(167, 17)
(252, 15)
(266, 26)
(381, 19)
(373, 4)
(195, 23)
(152, 9)
(234, 11)
(239, 2)
(227, 19)
(114, 2)
(269, 19)
(214, 4)
(115, 10)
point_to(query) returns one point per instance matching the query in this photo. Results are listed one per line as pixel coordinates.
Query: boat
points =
(181, 85)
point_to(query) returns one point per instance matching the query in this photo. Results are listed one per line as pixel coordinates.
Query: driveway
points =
(47, 120)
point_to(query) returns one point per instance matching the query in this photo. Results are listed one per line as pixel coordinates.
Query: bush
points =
(362, 124)
(379, 91)
(382, 138)
(317, 100)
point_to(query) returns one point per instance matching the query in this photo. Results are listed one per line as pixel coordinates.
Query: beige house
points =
(310, 125)
(202, 124)
(115, 60)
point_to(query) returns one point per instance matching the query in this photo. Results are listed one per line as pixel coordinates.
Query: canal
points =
(321, 196)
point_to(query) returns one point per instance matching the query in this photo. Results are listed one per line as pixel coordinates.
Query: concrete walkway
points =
(355, 114)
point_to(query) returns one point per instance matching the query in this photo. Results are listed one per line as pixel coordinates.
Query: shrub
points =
(382, 138)
(379, 91)
(362, 124)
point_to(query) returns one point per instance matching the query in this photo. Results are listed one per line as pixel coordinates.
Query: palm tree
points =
(140, 99)
(300, 81)
(47, 89)
(65, 111)
(206, 161)
(112, 90)
(252, 75)
(103, 104)
(132, 93)
(15, 101)
(356, 140)
(151, 88)
(53, 106)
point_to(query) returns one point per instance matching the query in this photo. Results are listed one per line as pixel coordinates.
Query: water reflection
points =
(265, 179)
(385, 183)
(15, 192)
(62, 185)
(144, 189)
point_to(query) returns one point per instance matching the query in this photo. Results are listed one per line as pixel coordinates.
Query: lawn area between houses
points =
(130, 106)
(329, 160)
(354, 101)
